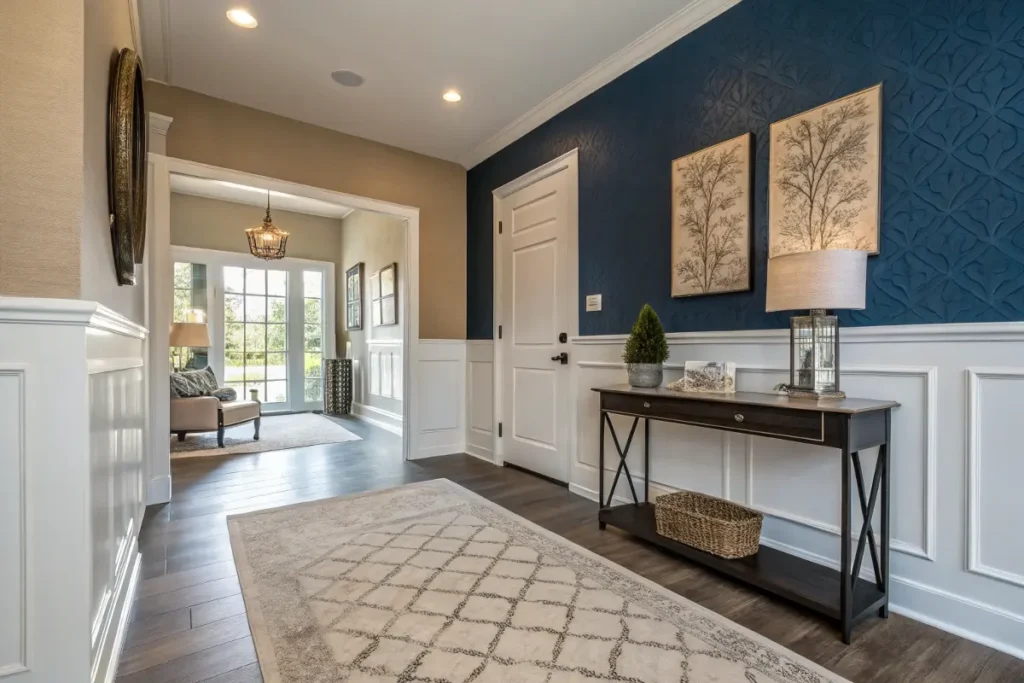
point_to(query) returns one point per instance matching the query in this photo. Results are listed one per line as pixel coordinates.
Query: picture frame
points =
(848, 216)
(712, 219)
(354, 297)
(384, 296)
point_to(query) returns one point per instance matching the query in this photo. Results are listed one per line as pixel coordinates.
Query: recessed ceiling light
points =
(452, 96)
(241, 17)
(349, 79)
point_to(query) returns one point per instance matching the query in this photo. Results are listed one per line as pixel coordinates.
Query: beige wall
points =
(108, 28)
(223, 134)
(41, 169)
(215, 224)
(375, 240)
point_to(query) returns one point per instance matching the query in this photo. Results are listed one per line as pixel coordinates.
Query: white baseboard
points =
(484, 454)
(378, 417)
(159, 490)
(991, 626)
(108, 654)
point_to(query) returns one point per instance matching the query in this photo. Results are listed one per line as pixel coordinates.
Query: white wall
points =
(440, 401)
(957, 553)
(72, 397)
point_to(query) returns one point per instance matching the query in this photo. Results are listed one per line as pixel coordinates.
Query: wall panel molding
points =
(15, 642)
(441, 398)
(976, 377)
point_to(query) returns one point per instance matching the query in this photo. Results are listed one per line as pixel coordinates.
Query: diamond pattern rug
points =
(431, 583)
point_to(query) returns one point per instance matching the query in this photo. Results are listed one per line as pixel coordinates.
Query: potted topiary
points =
(646, 349)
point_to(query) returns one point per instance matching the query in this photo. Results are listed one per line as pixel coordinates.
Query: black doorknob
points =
(563, 357)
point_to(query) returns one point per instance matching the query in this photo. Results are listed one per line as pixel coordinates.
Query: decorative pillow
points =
(225, 394)
(193, 383)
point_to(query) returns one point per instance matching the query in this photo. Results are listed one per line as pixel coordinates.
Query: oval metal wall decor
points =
(127, 147)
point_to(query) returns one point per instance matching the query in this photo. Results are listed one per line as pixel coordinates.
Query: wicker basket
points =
(710, 524)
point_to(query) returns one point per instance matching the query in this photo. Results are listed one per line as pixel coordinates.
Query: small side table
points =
(337, 386)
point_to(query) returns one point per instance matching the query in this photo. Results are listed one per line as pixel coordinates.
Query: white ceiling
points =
(516, 62)
(254, 196)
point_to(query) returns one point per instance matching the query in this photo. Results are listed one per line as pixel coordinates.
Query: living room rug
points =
(277, 432)
(430, 582)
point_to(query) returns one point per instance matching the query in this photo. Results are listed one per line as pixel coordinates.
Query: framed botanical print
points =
(712, 212)
(824, 177)
(354, 297)
(384, 296)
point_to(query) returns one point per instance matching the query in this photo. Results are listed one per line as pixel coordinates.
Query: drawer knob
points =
(646, 404)
(739, 417)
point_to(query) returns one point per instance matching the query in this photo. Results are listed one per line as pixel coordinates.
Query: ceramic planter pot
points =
(644, 375)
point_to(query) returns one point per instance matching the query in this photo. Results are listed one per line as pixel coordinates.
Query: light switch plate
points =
(593, 302)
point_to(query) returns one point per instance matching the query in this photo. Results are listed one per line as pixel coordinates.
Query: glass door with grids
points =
(256, 334)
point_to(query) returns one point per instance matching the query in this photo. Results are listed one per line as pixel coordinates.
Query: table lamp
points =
(820, 281)
(190, 335)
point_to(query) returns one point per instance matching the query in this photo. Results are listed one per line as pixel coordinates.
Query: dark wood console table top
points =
(849, 425)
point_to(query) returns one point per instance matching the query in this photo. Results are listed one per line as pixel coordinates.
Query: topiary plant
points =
(646, 343)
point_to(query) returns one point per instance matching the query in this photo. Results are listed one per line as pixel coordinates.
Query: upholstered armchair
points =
(209, 413)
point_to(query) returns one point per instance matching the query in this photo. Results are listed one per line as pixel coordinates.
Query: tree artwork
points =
(711, 219)
(824, 177)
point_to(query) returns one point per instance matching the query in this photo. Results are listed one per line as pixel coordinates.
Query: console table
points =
(850, 425)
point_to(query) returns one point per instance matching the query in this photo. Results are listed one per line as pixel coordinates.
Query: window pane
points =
(259, 386)
(277, 367)
(277, 282)
(234, 337)
(255, 337)
(312, 284)
(182, 304)
(311, 337)
(182, 275)
(233, 369)
(233, 312)
(239, 390)
(234, 280)
(312, 311)
(255, 309)
(313, 362)
(255, 367)
(277, 338)
(313, 390)
(277, 309)
(277, 392)
(255, 281)
(199, 286)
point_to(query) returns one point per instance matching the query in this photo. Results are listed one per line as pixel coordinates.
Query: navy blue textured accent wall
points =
(953, 161)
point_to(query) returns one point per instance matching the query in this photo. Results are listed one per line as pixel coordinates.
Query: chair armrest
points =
(200, 413)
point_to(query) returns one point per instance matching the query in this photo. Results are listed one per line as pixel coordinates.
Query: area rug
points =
(277, 432)
(430, 582)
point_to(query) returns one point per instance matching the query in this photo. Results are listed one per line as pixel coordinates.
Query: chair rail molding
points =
(976, 379)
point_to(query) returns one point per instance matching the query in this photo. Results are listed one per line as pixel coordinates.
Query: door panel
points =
(534, 311)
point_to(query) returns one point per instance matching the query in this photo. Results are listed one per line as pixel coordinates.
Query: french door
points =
(271, 326)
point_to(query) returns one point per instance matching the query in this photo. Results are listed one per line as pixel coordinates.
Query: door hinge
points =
(499, 227)
(499, 430)
(499, 331)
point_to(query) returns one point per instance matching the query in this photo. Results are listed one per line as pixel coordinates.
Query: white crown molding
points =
(159, 124)
(107, 320)
(693, 16)
(942, 332)
(14, 310)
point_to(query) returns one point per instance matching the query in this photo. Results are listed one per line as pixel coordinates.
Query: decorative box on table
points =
(337, 386)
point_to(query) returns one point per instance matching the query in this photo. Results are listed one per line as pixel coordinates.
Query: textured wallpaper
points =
(952, 230)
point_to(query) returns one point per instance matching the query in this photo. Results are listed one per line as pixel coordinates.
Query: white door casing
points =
(536, 305)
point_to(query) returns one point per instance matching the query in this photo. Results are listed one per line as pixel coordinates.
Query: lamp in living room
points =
(191, 334)
(821, 281)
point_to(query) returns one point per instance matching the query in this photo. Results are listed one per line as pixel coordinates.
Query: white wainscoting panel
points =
(441, 396)
(14, 574)
(480, 398)
(995, 472)
(967, 578)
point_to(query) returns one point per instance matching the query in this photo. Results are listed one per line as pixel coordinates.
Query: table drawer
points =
(799, 424)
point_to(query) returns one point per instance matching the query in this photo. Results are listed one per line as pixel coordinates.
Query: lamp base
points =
(816, 395)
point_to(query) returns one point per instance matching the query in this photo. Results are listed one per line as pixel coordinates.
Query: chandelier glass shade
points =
(267, 242)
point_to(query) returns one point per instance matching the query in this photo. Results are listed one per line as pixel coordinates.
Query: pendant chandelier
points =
(267, 241)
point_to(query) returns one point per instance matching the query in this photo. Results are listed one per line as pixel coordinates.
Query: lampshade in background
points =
(194, 335)
(817, 280)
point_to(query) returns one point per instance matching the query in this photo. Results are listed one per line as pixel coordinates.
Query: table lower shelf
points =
(806, 583)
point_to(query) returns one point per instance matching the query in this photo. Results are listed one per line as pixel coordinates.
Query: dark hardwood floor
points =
(189, 621)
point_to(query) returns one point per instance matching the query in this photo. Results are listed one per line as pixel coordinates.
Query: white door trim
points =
(160, 247)
(567, 162)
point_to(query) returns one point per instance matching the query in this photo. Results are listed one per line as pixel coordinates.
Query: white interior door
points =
(535, 310)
